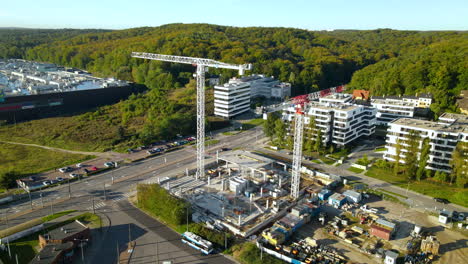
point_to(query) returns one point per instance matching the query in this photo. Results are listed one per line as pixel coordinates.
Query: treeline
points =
(15, 42)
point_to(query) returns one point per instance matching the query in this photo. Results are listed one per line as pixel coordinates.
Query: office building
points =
(234, 97)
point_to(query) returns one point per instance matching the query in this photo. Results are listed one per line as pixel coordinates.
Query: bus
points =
(197, 242)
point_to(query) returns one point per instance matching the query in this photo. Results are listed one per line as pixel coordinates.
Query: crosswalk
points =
(112, 201)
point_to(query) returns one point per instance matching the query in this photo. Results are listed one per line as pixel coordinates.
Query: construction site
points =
(290, 210)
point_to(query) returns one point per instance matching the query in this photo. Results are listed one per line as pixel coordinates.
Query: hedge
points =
(159, 202)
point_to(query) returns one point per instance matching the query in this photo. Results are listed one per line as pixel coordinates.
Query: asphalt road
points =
(111, 199)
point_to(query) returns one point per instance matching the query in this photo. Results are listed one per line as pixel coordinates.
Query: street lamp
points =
(81, 246)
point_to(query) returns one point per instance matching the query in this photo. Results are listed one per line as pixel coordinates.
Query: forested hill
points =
(384, 61)
(440, 68)
(14, 42)
(309, 59)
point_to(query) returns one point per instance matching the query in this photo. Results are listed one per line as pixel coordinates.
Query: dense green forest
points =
(384, 61)
(14, 42)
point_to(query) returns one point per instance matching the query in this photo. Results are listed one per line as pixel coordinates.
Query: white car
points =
(79, 165)
(109, 164)
(65, 169)
(73, 175)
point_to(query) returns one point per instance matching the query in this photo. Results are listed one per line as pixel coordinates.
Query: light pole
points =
(69, 188)
(81, 246)
(30, 199)
(105, 197)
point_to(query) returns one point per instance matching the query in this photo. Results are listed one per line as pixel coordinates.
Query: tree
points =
(8, 179)
(318, 145)
(459, 164)
(426, 148)
(269, 125)
(280, 131)
(396, 168)
(411, 157)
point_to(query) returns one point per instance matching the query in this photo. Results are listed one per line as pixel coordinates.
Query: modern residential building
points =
(233, 98)
(340, 121)
(443, 135)
(390, 108)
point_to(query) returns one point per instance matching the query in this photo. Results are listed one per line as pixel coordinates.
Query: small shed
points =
(352, 196)
(324, 194)
(337, 200)
(390, 257)
(445, 216)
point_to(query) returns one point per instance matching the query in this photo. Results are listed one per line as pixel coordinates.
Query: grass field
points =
(427, 187)
(27, 160)
(355, 170)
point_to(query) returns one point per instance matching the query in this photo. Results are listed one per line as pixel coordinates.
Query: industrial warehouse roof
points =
(246, 159)
(385, 224)
(353, 194)
(337, 196)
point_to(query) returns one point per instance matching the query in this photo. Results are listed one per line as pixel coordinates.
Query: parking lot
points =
(79, 170)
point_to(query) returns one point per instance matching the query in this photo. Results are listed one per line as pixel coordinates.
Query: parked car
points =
(151, 151)
(225, 149)
(441, 200)
(59, 179)
(461, 216)
(79, 165)
(65, 169)
(33, 178)
(45, 183)
(109, 164)
(94, 168)
(74, 175)
(289, 153)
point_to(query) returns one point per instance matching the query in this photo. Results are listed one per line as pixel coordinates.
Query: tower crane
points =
(301, 103)
(202, 67)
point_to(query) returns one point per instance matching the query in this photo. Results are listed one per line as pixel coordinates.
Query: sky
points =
(311, 14)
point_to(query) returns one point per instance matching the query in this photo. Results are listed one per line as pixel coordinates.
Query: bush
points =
(248, 253)
(364, 161)
(214, 236)
(159, 202)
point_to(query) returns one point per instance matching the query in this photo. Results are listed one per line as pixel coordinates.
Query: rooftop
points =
(460, 126)
(67, 230)
(50, 252)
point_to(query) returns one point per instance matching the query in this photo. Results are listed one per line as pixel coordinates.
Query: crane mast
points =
(297, 154)
(202, 67)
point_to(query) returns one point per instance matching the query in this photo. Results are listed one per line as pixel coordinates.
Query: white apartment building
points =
(390, 108)
(340, 121)
(443, 135)
(233, 98)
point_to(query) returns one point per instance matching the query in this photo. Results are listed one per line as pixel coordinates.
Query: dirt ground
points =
(454, 245)
(453, 249)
